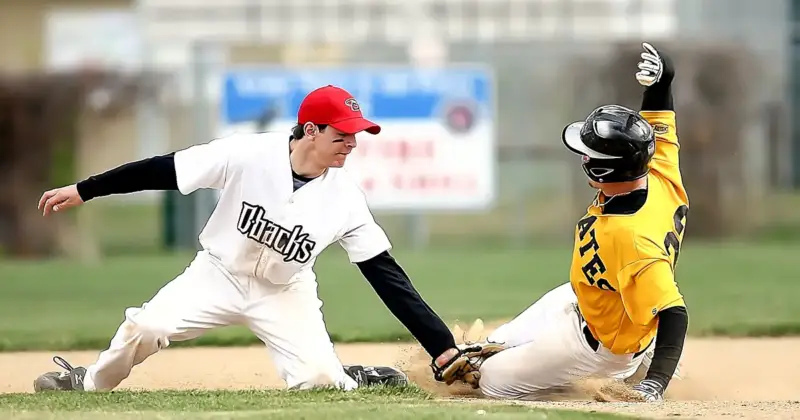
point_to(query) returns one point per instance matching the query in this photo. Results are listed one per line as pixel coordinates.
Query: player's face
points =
(333, 146)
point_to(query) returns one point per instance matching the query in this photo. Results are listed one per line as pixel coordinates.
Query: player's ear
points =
(310, 129)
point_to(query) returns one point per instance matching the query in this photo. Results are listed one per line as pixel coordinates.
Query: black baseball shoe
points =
(376, 375)
(71, 380)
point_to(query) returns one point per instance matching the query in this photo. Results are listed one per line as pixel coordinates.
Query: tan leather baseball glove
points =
(466, 364)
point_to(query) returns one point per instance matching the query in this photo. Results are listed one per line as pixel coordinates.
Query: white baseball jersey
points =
(261, 227)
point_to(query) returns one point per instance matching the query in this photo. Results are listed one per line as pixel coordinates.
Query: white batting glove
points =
(649, 391)
(651, 68)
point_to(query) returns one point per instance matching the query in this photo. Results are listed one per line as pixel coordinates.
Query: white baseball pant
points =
(287, 318)
(548, 350)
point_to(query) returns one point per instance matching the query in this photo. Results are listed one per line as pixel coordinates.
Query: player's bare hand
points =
(654, 67)
(59, 199)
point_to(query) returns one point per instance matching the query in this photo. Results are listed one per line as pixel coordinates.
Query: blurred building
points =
(545, 53)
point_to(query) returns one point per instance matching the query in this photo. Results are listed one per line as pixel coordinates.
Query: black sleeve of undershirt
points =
(394, 288)
(672, 326)
(658, 97)
(155, 173)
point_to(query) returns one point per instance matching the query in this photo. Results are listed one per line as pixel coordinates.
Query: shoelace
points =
(63, 364)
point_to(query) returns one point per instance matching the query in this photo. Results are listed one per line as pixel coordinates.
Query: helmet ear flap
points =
(600, 173)
(596, 173)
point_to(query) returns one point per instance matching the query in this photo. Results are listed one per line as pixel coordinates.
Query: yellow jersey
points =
(624, 259)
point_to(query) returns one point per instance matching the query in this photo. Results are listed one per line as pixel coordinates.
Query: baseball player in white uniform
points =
(281, 204)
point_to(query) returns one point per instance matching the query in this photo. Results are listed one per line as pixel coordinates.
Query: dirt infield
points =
(726, 378)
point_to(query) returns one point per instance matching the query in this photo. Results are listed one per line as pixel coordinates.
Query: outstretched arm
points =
(397, 292)
(155, 173)
(656, 73)
(367, 247)
(200, 166)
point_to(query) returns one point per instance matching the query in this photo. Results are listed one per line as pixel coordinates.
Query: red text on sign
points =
(402, 150)
(422, 183)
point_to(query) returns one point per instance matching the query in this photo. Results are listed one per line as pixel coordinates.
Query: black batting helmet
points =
(616, 144)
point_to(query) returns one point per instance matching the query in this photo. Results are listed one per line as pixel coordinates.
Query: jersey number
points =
(672, 242)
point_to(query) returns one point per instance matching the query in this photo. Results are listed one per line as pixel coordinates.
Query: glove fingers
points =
(650, 48)
(645, 74)
(651, 58)
(649, 67)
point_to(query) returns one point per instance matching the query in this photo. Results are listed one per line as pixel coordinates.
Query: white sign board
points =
(437, 147)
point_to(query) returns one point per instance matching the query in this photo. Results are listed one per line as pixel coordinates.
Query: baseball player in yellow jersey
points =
(622, 300)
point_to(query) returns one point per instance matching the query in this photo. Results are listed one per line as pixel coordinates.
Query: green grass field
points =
(384, 403)
(730, 289)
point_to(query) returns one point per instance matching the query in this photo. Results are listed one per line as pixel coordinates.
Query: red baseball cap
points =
(336, 107)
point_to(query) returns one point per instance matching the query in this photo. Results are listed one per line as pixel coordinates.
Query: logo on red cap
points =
(353, 104)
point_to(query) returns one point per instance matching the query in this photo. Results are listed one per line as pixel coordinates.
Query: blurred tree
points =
(715, 112)
(39, 119)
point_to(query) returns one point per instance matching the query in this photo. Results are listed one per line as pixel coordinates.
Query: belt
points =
(592, 342)
(595, 345)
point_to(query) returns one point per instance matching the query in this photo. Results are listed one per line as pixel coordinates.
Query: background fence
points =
(553, 62)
